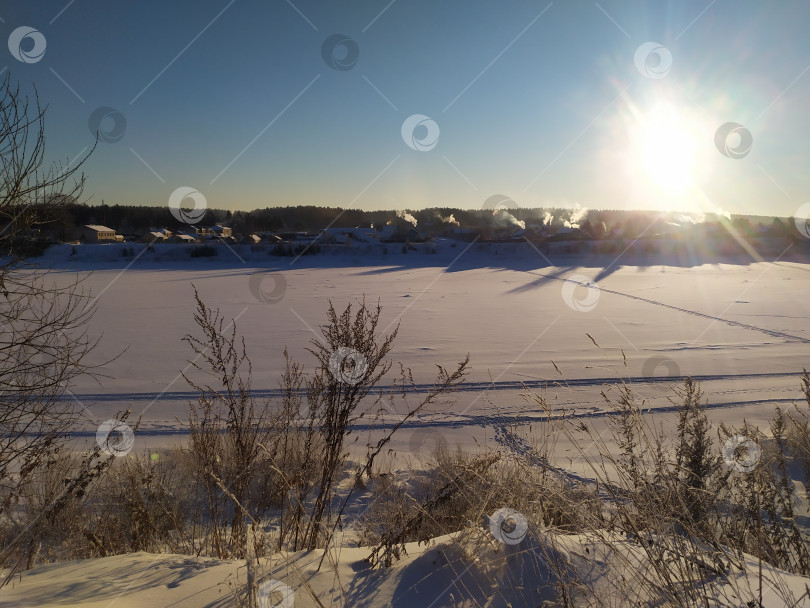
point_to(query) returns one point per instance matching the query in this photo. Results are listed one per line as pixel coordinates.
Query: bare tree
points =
(31, 189)
(43, 339)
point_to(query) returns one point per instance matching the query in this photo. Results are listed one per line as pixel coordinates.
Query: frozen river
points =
(527, 321)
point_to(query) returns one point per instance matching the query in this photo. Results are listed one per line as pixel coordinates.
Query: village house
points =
(252, 239)
(347, 235)
(93, 233)
(156, 235)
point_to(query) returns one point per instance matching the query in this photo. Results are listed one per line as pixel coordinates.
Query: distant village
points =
(391, 233)
(289, 231)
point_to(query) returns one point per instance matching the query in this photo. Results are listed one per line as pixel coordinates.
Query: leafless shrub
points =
(687, 515)
(798, 432)
(49, 503)
(228, 428)
(140, 505)
(252, 457)
(463, 490)
(334, 406)
(662, 521)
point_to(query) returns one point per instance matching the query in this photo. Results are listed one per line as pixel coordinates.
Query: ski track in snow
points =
(488, 420)
(522, 448)
(770, 332)
(506, 385)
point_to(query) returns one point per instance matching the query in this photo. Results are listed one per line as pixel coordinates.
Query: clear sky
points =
(550, 104)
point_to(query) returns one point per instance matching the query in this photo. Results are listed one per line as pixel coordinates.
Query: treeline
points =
(595, 224)
(309, 218)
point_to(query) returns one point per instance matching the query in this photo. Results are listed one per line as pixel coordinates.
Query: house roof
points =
(98, 228)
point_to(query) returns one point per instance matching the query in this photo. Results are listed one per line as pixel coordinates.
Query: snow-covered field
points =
(528, 320)
(743, 328)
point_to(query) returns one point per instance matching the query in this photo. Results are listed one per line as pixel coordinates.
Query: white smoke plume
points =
(519, 223)
(577, 215)
(547, 219)
(502, 216)
(407, 217)
(723, 213)
(450, 220)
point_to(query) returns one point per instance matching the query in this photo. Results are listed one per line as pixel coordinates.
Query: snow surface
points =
(741, 326)
(445, 572)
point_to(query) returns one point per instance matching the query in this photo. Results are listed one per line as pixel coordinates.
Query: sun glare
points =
(665, 149)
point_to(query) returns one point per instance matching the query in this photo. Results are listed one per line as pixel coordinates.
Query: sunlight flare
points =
(665, 148)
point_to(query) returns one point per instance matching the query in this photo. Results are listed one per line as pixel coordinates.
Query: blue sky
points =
(541, 102)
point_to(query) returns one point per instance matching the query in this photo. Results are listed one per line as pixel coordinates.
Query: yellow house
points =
(93, 233)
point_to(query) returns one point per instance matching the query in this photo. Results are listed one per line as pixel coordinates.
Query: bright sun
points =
(665, 149)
